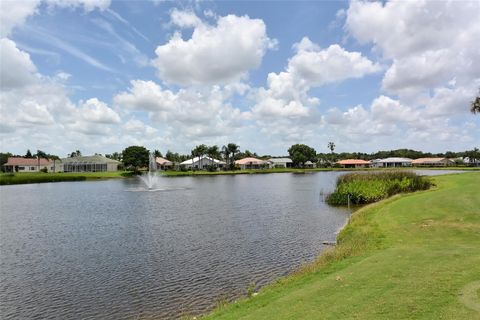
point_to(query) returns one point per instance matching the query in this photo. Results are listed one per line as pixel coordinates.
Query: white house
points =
(280, 162)
(202, 163)
(392, 162)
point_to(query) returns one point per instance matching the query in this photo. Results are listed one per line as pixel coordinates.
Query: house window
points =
(32, 168)
(21, 168)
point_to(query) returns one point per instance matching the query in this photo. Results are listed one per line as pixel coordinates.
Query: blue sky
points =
(101, 75)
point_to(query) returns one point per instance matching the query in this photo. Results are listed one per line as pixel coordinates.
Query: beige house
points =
(433, 162)
(163, 164)
(353, 163)
(251, 163)
(19, 164)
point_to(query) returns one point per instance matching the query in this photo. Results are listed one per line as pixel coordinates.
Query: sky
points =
(98, 76)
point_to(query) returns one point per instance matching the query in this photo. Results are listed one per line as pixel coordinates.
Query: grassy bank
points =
(40, 177)
(363, 188)
(412, 256)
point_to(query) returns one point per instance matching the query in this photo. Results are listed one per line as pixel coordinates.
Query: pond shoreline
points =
(359, 239)
(28, 178)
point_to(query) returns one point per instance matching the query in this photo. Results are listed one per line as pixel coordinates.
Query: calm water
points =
(103, 250)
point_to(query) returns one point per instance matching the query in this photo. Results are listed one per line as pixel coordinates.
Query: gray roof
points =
(394, 159)
(280, 160)
(89, 159)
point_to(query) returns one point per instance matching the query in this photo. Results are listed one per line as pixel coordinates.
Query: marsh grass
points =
(363, 188)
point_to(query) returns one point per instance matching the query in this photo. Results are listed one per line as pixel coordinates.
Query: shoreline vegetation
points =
(363, 188)
(394, 259)
(41, 177)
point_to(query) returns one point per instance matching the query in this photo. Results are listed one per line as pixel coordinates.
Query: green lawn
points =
(39, 177)
(414, 256)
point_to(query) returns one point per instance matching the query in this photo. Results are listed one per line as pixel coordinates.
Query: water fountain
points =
(150, 179)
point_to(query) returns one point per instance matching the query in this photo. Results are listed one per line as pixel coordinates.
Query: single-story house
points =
(309, 164)
(432, 162)
(353, 163)
(96, 163)
(163, 164)
(251, 163)
(202, 163)
(19, 164)
(391, 162)
(280, 162)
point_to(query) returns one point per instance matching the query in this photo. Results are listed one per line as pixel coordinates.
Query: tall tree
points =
(331, 146)
(233, 149)
(475, 105)
(135, 157)
(301, 153)
(28, 155)
(199, 151)
(40, 154)
(157, 153)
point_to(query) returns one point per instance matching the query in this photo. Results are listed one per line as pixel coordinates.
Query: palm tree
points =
(233, 149)
(331, 146)
(226, 154)
(40, 154)
(213, 152)
(475, 105)
(199, 151)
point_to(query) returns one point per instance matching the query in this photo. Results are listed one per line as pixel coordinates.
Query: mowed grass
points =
(40, 177)
(413, 256)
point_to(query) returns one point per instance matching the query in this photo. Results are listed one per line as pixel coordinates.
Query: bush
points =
(371, 187)
(44, 170)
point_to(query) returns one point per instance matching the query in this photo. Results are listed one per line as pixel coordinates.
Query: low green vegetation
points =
(363, 188)
(40, 177)
(412, 256)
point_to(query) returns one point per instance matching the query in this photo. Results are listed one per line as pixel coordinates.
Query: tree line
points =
(138, 156)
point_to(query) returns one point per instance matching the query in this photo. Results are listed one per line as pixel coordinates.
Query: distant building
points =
(309, 164)
(19, 164)
(391, 162)
(353, 163)
(433, 162)
(96, 163)
(251, 163)
(202, 163)
(280, 162)
(163, 164)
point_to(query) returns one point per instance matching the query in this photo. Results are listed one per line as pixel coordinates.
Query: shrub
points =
(365, 188)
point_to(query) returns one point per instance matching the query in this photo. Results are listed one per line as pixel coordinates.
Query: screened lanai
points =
(96, 163)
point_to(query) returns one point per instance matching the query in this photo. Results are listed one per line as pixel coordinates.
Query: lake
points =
(110, 250)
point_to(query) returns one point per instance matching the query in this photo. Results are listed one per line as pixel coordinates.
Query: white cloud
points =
(86, 5)
(287, 92)
(185, 19)
(17, 69)
(188, 114)
(429, 42)
(14, 13)
(97, 111)
(218, 54)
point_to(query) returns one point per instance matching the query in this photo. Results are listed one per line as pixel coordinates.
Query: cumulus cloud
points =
(14, 13)
(428, 42)
(20, 71)
(215, 54)
(311, 66)
(189, 113)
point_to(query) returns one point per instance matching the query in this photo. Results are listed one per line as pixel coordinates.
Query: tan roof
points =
(250, 161)
(162, 161)
(353, 161)
(428, 160)
(19, 161)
